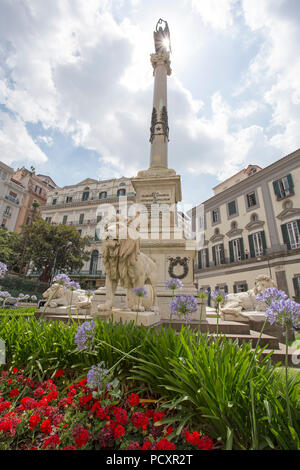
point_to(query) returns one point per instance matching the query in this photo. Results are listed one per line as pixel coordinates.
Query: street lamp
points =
(259, 258)
(54, 264)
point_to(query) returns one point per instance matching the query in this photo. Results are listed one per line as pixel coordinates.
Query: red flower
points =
(121, 415)
(80, 435)
(86, 401)
(139, 420)
(146, 445)
(59, 373)
(14, 392)
(52, 395)
(134, 399)
(15, 370)
(28, 403)
(38, 392)
(158, 415)
(133, 445)
(4, 405)
(70, 448)
(192, 437)
(205, 443)
(100, 412)
(46, 426)
(33, 421)
(164, 444)
(52, 442)
(119, 431)
(168, 431)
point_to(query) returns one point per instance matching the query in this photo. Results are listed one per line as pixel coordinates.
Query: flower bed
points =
(54, 415)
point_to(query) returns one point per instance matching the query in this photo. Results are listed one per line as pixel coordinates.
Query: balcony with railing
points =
(78, 200)
(12, 199)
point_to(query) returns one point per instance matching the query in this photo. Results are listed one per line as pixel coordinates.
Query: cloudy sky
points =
(76, 86)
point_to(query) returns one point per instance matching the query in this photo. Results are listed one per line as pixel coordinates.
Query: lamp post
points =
(259, 258)
(54, 264)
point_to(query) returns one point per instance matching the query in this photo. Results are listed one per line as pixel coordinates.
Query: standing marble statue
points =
(162, 37)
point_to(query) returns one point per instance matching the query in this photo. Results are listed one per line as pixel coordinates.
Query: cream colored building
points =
(80, 205)
(252, 227)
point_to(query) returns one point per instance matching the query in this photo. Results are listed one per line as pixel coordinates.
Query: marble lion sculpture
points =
(62, 297)
(246, 301)
(126, 264)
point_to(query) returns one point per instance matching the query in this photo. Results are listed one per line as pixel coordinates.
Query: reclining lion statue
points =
(59, 296)
(246, 301)
(126, 264)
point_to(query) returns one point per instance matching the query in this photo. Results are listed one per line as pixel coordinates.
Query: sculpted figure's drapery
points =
(162, 37)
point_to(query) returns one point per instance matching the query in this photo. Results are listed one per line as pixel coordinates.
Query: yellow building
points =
(252, 226)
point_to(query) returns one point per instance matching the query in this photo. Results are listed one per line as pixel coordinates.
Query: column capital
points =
(161, 59)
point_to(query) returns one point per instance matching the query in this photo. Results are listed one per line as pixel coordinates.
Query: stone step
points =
(210, 326)
(266, 340)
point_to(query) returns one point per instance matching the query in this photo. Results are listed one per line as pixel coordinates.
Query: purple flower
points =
(62, 279)
(183, 305)
(284, 312)
(97, 377)
(202, 294)
(270, 294)
(73, 285)
(89, 293)
(4, 294)
(219, 296)
(173, 284)
(85, 335)
(3, 269)
(139, 292)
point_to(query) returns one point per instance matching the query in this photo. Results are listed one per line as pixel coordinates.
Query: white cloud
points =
(217, 13)
(15, 142)
(277, 66)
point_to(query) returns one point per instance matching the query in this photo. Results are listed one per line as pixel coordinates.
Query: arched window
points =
(103, 195)
(94, 262)
(121, 192)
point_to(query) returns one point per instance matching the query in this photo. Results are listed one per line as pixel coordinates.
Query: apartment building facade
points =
(251, 227)
(36, 191)
(80, 205)
(12, 193)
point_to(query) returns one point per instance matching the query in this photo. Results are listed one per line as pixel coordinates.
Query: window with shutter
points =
(296, 283)
(284, 187)
(293, 233)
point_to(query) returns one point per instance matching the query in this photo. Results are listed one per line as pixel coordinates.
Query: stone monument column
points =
(159, 131)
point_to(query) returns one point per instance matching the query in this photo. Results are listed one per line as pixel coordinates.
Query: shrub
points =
(15, 285)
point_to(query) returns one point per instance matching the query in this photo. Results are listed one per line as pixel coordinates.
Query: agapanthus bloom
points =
(271, 294)
(139, 292)
(4, 294)
(284, 312)
(62, 279)
(97, 377)
(73, 285)
(173, 284)
(85, 335)
(183, 305)
(3, 269)
(202, 294)
(219, 296)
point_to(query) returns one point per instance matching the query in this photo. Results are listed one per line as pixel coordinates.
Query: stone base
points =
(164, 297)
(126, 316)
(66, 311)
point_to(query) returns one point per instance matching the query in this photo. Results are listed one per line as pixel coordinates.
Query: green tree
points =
(10, 248)
(54, 248)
